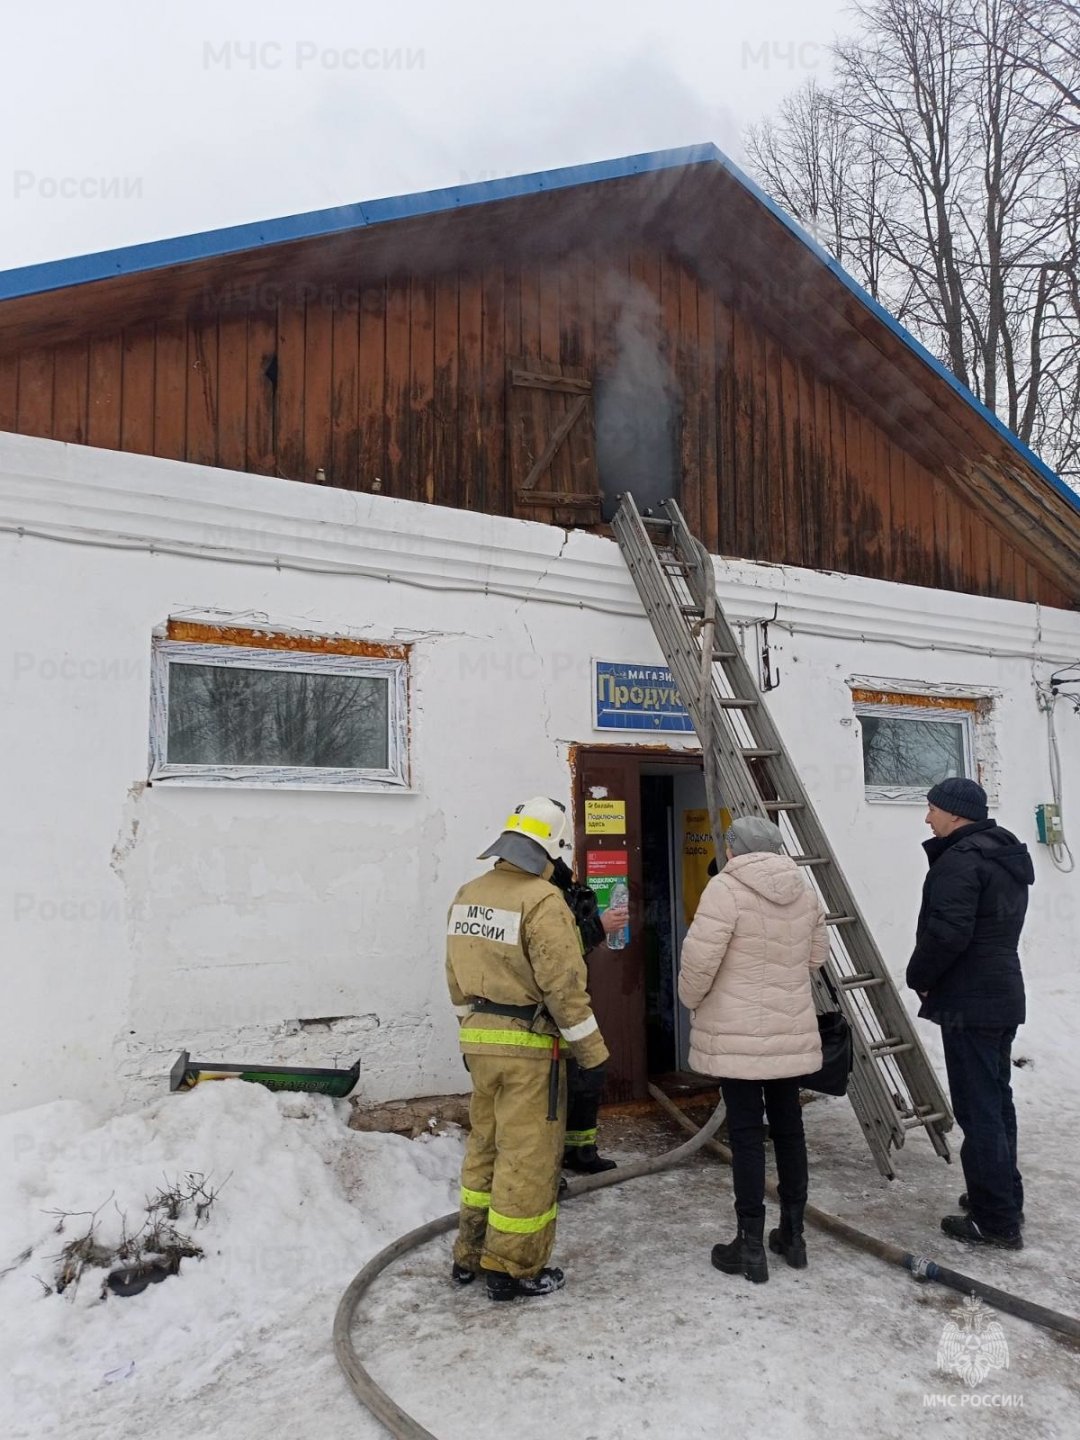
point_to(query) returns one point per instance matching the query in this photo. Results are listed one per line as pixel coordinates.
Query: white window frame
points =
(915, 794)
(395, 777)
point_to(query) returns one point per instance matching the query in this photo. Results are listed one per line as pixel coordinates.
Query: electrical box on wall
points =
(1048, 824)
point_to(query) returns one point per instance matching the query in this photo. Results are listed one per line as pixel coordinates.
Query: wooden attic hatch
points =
(552, 445)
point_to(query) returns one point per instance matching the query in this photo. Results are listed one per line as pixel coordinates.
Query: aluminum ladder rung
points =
(915, 1122)
(810, 861)
(733, 702)
(865, 981)
(836, 918)
(892, 1046)
(783, 805)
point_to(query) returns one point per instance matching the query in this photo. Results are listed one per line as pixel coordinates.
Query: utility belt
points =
(531, 1013)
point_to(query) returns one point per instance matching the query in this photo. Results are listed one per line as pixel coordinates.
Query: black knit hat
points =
(958, 796)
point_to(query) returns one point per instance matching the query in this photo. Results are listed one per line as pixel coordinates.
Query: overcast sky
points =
(124, 122)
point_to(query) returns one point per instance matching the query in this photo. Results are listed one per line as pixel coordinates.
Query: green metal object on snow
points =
(188, 1073)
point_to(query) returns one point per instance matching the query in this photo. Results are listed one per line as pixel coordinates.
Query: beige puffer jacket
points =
(745, 971)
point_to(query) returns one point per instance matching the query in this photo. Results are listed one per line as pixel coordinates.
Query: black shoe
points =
(509, 1287)
(965, 1204)
(787, 1238)
(963, 1227)
(462, 1275)
(564, 1185)
(585, 1160)
(745, 1255)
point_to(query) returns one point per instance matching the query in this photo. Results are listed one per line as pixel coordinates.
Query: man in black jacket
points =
(966, 970)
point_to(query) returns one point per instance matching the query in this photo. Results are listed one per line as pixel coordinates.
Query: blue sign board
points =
(637, 697)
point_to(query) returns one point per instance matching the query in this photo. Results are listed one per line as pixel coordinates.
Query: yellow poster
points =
(697, 851)
(605, 817)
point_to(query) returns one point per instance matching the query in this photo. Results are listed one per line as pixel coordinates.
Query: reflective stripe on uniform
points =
(521, 1225)
(578, 1032)
(506, 1037)
(581, 1137)
(478, 1199)
(529, 825)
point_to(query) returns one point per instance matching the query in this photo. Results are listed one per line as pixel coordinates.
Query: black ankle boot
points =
(527, 1287)
(585, 1160)
(787, 1238)
(745, 1255)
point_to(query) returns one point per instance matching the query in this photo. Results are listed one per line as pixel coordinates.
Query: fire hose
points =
(403, 1426)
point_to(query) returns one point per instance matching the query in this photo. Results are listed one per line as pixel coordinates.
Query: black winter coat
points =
(973, 906)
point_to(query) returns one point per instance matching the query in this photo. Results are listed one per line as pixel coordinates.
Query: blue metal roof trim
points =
(314, 224)
(159, 254)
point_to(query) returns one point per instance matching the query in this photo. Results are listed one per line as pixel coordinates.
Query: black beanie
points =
(958, 796)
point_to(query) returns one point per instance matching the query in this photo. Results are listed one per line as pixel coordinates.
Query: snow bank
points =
(303, 1201)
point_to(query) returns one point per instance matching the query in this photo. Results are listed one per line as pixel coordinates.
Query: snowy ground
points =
(646, 1340)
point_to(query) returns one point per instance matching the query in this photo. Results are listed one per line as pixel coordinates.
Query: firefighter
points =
(517, 981)
(584, 1088)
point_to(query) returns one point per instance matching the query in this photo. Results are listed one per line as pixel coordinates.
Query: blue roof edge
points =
(313, 224)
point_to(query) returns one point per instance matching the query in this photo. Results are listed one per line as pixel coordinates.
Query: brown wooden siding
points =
(405, 381)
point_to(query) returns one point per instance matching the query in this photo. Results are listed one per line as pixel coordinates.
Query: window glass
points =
(913, 752)
(226, 715)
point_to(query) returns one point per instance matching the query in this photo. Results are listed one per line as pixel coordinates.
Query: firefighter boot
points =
(527, 1287)
(745, 1255)
(585, 1160)
(787, 1238)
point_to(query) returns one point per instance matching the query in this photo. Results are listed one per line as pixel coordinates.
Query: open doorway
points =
(641, 821)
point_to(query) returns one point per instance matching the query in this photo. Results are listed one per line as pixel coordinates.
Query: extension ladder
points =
(893, 1087)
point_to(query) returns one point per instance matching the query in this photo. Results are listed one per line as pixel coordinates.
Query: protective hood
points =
(526, 854)
(774, 877)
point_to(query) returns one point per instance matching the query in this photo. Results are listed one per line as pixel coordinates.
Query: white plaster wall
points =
(143, 920)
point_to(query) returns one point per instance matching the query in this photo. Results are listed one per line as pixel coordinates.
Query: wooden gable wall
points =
(406, 381)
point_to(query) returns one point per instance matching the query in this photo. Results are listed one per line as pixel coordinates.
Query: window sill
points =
(898, 795)
(211, 779)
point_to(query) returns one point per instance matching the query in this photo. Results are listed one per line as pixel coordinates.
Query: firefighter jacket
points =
(511, 939)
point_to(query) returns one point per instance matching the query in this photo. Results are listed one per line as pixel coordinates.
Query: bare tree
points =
(1049, 45)
(942, 167)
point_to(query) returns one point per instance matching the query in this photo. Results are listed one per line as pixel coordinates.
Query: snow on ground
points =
(646, 1340)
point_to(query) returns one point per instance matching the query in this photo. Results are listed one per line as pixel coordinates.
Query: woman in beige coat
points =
(745, 977)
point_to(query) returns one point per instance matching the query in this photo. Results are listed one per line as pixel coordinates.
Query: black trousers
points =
(748, 1103)
(582, 1110)
(978, 1062)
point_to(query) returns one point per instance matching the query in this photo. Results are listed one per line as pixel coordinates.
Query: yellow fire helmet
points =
(536, 832)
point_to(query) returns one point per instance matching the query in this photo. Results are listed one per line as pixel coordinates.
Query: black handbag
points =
(837, 1056)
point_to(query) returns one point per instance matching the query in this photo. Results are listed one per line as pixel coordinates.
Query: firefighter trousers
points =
(510, 1175)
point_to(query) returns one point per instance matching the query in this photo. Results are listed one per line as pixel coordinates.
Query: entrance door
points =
(607, 813)
(639, 815)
